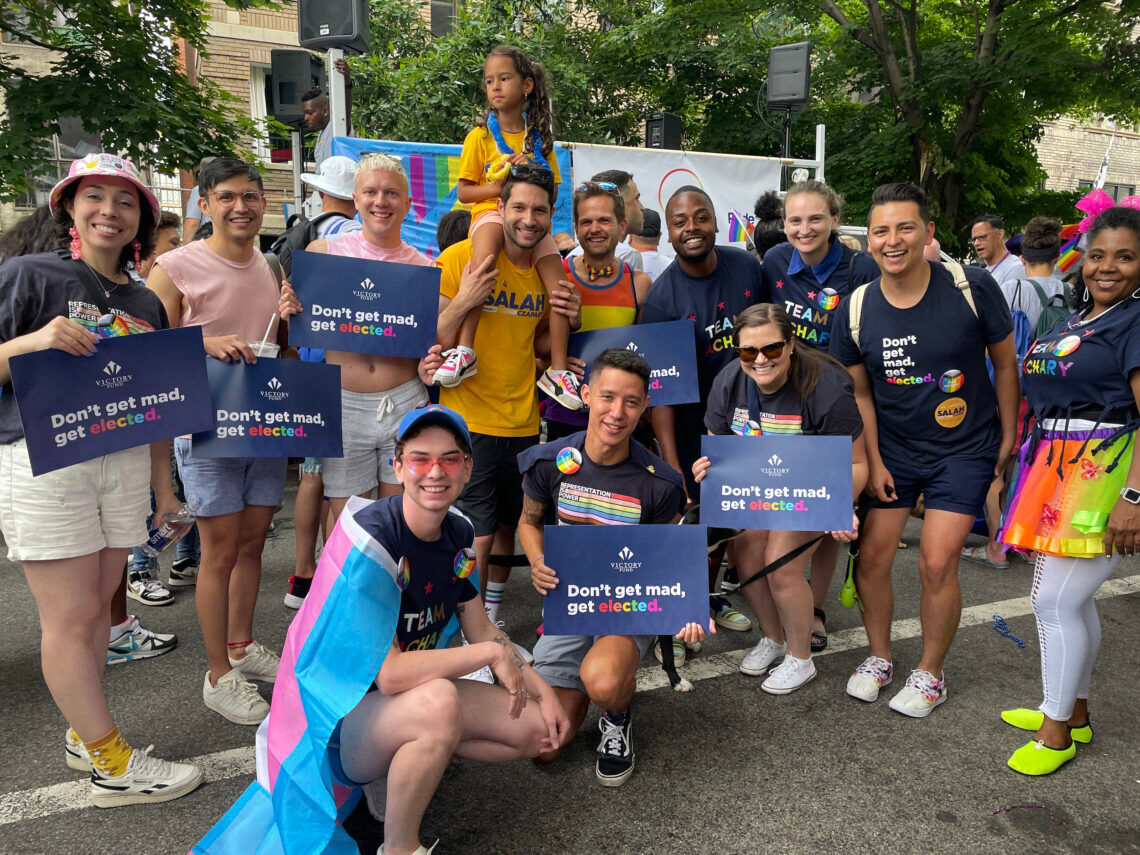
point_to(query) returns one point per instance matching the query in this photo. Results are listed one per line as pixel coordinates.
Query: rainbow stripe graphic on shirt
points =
(769, 424)
(577, 505)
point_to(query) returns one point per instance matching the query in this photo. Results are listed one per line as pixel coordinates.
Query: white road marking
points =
(236, 762)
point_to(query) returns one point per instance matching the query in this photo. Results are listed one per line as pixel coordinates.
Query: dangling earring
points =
(137, 247)
(76, 248)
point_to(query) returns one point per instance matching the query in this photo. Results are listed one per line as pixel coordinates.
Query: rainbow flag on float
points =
(333, 651)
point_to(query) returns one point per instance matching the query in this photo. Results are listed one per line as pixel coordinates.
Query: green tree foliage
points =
(114, 66)
(950, 94)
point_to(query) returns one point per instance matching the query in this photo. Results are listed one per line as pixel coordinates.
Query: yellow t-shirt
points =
(501, 399)
(480, 156)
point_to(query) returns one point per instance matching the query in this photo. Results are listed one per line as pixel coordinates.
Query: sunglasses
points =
(585, 187)
(532, 170)
(422, 464)
(770, 351)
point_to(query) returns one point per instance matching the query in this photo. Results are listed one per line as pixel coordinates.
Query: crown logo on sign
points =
(625, 554)
(774, 460)
(368, 283)
(274, 383)
(112, 368)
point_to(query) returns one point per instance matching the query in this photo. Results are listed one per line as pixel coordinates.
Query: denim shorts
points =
(216, 486)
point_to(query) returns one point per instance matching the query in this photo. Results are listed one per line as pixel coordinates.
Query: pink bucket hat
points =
(101, 163)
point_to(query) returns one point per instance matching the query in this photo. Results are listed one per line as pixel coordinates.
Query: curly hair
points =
(537, 106)
(1114, 218)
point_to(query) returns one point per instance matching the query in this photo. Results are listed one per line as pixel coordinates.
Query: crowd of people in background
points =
(918, 360)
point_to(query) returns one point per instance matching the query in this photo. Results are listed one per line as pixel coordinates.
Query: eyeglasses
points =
(984, 237)
(532, 170)
(586, 186)
(228, 197)
(422, 464)
(770, 351)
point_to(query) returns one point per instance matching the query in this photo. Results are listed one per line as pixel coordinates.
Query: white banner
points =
(732, 181)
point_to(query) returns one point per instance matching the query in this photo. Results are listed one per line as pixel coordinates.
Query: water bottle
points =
(174, 525)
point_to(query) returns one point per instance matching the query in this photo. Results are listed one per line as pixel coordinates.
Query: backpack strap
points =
(961, 283)
(1045, 301)
(855, 311)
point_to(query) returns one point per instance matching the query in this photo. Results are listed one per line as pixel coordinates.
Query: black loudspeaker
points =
(324, 24)
(293, 73)
(789, 77)
(663, 130)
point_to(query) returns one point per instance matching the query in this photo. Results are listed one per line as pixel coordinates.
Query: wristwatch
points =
(1130, 494)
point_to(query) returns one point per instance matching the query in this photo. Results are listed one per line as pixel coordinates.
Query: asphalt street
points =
(724, 769)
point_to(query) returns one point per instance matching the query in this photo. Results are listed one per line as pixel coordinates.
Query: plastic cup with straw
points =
(265, 347)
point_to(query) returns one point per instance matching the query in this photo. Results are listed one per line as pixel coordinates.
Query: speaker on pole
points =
(663, 130)
(789, 77)
(292, 73)
(324, 24)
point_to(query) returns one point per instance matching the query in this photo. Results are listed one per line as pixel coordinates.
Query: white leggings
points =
(1068, 627)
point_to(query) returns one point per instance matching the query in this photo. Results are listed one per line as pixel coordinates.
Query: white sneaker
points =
(183, 573)
(760, 658)
(145, 589)
(75, 753)
(147, 779)
(869, 677)
(789, 675)
(921, 694)
(259, 663)
(139, 643)
(458, 364)
(235, 699)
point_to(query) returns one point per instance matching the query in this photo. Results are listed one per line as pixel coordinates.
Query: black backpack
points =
(299, 232)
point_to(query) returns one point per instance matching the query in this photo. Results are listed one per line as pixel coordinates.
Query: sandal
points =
(819, 636)
(977, 555)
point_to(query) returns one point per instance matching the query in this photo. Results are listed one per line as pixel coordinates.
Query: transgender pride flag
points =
(333, 651)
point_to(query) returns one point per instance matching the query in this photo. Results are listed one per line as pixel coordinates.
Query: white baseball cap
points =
(336, 176)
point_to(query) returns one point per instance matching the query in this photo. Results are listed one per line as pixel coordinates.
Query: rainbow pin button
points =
(828, 299)
(751, 428)
(568, 461)
(951, 381)
(1066, 345)
(464, 562)
(403, 574)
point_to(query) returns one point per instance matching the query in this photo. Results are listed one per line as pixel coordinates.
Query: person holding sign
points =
(225, 285)
(73, 528)
(1076, 501)
(781, 386)
(376, 391)
(500, 401)
(599, 477)
(915, 343)
(612, 291)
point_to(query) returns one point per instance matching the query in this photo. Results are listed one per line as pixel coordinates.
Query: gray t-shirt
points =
(1020, 294)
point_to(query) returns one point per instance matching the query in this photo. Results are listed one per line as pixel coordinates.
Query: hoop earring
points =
(137, 247)
(75, 247)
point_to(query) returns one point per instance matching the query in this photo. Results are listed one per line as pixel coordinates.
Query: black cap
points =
(652, 224)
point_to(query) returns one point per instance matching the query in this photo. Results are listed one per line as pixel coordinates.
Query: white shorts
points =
(368, 425)
(76, 510)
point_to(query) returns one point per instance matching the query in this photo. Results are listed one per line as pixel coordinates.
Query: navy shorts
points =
(956, 484)
(494, 494)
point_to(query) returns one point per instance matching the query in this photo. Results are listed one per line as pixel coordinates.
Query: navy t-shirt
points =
(1085, 366)
(811, 295)
(36, 288)
(640, 489)
(711, 302)
(933, 396)
(431, 588)
(830, 410)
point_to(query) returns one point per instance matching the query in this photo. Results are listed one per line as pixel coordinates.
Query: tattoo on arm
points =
(502, 640)
(534, 511)
(460, 609)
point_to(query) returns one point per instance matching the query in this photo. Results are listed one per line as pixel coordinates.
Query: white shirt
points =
(655, 263)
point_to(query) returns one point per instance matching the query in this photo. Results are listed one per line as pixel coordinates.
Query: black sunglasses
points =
(532, 170)
(770, 351)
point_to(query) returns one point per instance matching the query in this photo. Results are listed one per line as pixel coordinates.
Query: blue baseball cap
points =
(434, 414)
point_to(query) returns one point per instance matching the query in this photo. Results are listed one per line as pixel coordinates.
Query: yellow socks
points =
(109, 753)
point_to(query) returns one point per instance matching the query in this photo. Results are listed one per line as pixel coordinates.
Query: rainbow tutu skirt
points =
(1066, 513)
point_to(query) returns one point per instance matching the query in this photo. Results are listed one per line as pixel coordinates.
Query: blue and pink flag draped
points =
(333, 651)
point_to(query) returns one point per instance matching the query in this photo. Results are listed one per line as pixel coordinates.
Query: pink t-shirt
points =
(224, 297)
(355, 246)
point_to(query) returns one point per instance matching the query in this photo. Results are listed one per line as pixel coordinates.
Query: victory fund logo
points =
(774, 469)
(625, 565)
(275, 392)
(367, 290)
(115, 376)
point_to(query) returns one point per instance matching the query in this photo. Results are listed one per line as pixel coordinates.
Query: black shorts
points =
(956, 484)
(494, 494)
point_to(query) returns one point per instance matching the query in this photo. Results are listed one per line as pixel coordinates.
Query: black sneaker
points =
(615, 751)
(298, 590)
(731, 580)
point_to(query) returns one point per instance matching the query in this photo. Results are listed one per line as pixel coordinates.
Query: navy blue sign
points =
(135, 390)
(272, 408)
(626, 579)
(777, 483)
(364, 306)
(669, 349)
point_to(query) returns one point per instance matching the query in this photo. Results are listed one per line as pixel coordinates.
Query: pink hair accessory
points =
(1097, 202)
(75, 247)
(137, 247)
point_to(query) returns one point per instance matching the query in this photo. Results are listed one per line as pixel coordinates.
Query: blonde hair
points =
(383, 162)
